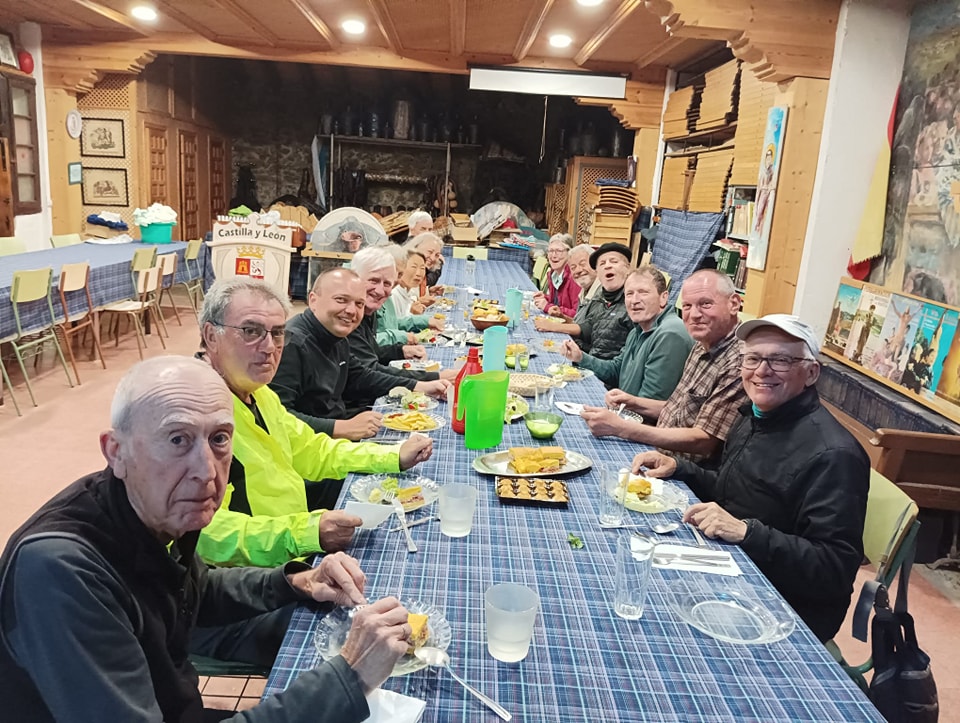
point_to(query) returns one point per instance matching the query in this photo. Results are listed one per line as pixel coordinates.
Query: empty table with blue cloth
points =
(585, 663)
(110, 278)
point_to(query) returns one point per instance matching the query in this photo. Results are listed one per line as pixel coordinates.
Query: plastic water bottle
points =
(471, 269)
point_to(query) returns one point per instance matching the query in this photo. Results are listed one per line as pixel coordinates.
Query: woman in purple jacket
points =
(561, 294)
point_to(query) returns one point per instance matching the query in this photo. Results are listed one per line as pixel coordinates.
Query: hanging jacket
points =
(267, 522)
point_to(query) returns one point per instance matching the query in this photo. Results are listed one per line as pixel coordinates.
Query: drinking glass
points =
(611, 495)
(510, 611)
(632, 576)
(543, 401)
(523, 358)
(456, 506)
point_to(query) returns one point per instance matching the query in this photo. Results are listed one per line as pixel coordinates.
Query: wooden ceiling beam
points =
(655, 52)
(381, 15)
(187, 21)
(255, 23)
(531, 27)
(316, 22)
(62, 16)
(458, 26)
(624, 11)
(109, 14)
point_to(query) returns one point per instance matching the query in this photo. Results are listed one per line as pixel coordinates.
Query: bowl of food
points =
(485, 322)
(542, 425)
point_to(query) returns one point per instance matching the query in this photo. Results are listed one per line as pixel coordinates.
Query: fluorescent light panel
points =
(548, 82)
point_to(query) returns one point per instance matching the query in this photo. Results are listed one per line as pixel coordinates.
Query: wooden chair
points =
(924, 465)
(889, 535)
(168, 279)
(33, 287)
(145, 258)
(194, 282)
(10, 245)
(540, 268)
(148, 282)
(65, 239)
(75, 278)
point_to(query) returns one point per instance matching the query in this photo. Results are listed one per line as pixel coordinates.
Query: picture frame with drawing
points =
(7, 55)
(105, 187)
(103, 138)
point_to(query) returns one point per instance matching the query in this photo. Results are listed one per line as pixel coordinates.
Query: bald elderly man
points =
(101, 589)
(792, 485)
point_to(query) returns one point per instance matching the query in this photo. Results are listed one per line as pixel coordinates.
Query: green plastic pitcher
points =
(483, 400)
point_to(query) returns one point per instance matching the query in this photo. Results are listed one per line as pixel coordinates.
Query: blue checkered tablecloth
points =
(585, 663)
(519, 256)
(110, 278)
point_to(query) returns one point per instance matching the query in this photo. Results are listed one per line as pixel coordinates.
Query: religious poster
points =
(766, 188)
(908, 343)
(841, 318)
(864, 339)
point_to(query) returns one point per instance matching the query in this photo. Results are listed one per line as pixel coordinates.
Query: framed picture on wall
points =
(105, 187)
(7, 56)
(103, 138)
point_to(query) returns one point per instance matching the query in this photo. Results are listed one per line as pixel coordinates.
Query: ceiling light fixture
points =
(354, 27)
(589, 3)
(144, 12)
(560, 40)
(539, 81)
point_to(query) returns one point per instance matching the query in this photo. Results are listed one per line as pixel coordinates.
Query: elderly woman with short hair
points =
(561, 295)
(402, 314)
(431, 247)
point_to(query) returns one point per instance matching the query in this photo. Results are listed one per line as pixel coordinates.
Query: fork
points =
(391, 497)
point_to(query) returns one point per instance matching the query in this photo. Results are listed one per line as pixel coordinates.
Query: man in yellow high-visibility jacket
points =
(265, 518)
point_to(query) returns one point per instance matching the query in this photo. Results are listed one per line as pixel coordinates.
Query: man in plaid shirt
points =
(694, 421)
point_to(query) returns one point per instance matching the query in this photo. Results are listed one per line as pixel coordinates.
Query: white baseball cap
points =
(787, 323)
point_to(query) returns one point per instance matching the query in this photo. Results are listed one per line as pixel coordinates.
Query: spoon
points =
(437, 658)
(664, 528)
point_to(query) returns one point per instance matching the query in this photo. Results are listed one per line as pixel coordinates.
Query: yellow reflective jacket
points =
(280, 527)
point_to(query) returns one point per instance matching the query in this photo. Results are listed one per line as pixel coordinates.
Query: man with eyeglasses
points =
(283, 473)
(792, 485)
(695, 419)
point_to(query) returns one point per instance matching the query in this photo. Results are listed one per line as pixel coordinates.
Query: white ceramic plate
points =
(497, 463)
(333, 629)
(417, 365)
(391, 419)
(569, 407)
(664, 496)
(555, 369)
(731, 609)
(361, 488)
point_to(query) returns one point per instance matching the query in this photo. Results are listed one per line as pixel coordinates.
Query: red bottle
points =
(472, 366)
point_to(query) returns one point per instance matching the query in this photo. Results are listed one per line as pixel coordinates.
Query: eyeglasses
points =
(777, 363)
(557, 251)
(255, 333)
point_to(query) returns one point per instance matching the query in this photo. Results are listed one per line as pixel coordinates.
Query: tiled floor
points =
(56, 443)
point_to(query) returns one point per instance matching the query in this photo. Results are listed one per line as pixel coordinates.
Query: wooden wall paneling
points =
(646, 143)
(218, 176)
(189, 202)
(156, 144)
(66, 202)
(773, 289)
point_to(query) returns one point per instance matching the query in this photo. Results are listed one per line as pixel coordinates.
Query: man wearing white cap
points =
(792, 485)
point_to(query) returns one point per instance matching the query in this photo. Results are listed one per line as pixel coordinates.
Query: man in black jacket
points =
(316, 365)
(792, 485)
(101, 590)
(376, 268)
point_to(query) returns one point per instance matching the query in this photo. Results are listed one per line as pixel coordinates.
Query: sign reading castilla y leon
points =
(233, 231)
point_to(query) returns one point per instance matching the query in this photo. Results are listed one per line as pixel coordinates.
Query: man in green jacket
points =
(265, 518)
(651, 362)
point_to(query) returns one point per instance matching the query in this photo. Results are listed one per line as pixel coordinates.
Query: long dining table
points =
(110, 278)
(585, 663)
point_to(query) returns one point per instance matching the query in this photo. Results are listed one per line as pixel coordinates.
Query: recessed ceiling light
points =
(589, 3)
(560, 40)
(353, 27)
(144, 12)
